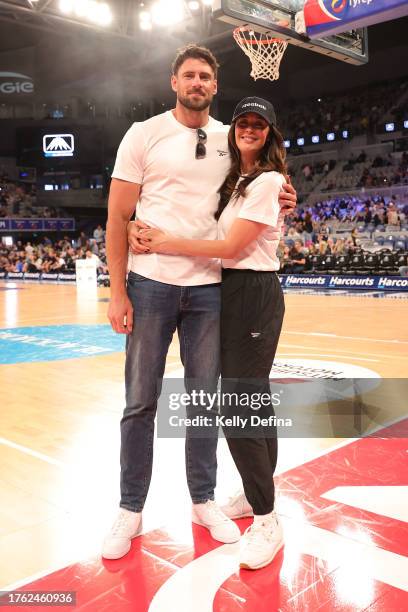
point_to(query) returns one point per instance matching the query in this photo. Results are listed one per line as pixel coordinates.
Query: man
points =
(297, 258)
(172, 166)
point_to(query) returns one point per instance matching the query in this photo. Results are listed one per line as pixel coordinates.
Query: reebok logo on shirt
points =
(222, 153)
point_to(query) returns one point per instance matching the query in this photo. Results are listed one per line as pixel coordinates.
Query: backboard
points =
(278, 18)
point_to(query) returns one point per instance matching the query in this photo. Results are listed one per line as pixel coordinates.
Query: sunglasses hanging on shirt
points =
(201, 151)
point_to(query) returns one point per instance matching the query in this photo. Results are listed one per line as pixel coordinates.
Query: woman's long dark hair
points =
(271, 157)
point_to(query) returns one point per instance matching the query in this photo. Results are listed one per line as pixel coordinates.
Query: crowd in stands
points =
(372, 177)
(54, 257)
(19, 200)
(359, 111)
(358, 172)
(342, 227)
(345, 210)
(321, 167)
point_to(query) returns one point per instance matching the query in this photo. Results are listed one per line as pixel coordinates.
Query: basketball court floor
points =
(343, 502)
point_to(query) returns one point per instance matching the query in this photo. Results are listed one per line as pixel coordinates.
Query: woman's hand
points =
(133, 230)
(156, 241)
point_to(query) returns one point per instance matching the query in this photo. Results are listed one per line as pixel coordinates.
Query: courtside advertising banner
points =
(38, 225)
(394, 284)
(325, 17)
(333, 281)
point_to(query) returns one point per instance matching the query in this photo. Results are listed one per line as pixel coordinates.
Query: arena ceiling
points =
(68, 55)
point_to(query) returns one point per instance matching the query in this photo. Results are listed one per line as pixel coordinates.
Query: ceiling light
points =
(104, 15)
(66, 6)
(145, 16)
(145, 25)
(166, 14)
(82, 8)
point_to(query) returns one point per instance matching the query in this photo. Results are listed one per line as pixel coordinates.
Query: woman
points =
(339, 247)
(252, 304)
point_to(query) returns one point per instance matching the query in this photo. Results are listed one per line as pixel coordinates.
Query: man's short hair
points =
(192, 51)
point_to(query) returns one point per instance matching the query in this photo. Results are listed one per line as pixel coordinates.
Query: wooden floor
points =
(59, 419)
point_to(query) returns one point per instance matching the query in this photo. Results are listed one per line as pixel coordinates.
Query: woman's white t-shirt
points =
(259, 204)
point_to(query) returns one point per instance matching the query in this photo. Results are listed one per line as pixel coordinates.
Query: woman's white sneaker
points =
(261, 542)
(211, 516)
(237, 507)
(117, 543)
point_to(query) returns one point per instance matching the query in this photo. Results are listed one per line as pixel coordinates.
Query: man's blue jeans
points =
(160, 309)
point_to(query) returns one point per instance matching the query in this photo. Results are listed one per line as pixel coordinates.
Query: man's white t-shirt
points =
(259, 204)
(179, 193)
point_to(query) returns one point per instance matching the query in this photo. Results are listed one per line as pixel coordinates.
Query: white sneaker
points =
(237, 507)
(220, 526)
(117, 543)
(260, 543)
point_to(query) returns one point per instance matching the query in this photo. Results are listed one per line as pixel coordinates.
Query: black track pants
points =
(252, 309)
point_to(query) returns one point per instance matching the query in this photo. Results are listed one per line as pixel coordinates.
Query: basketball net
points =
(265, 53)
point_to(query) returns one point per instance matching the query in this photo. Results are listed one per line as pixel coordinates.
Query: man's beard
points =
(196, 105)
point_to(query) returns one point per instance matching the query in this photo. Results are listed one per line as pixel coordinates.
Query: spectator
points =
(99, 235)
(285, 260)
(29, 249)
(339, 247)
(297, 260)
(82, 240)
(392, 214)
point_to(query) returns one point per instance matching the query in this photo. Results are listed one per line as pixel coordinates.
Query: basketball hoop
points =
(264, 52)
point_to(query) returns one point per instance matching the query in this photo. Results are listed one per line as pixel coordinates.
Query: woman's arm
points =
(241, 234)
(287, 201)
(259, 210)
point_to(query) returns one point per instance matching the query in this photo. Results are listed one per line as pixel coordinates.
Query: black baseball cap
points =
(255, 105)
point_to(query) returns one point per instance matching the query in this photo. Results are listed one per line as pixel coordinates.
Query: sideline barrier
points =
(37, 225)
(64, 277)
(337, 281)
(288, 281)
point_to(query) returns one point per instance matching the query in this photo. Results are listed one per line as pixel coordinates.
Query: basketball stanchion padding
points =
(264, 52)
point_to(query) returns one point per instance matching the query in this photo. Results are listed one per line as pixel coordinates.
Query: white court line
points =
(344, 337)
(32, 453)
(56, 568)
(37, 576)
(14, 586)
(186, 590)
(28, 579)
(34, 321)
(341, 353)
(332, 355)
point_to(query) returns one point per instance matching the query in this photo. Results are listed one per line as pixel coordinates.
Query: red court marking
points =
(394, 600)
(131, 583)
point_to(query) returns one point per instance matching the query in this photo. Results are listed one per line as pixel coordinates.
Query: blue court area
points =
(57, 342)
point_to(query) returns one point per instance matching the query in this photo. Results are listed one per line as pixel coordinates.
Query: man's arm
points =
(287, 197)
(123, 197)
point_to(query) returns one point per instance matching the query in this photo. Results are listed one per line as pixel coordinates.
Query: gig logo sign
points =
(15, 83)
(58, 145)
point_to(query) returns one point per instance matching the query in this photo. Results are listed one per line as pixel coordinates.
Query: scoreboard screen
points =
(62, 146)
